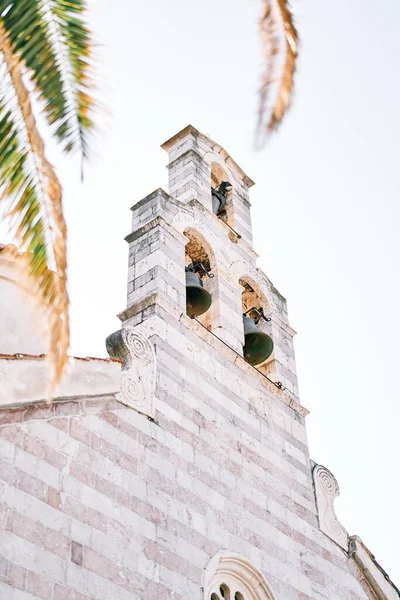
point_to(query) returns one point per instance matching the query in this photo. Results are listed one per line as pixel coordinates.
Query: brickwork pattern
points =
(97, 501)
(100, 502)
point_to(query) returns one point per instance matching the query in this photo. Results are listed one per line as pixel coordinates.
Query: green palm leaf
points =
(51, 38)
(45, 54)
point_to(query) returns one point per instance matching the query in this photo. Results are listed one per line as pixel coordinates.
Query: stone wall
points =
(199, 460)
(98, 501)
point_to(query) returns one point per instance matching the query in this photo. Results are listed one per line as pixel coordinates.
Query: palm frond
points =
(278, 79)
(75, 42)
(29, 185)
(51, 38)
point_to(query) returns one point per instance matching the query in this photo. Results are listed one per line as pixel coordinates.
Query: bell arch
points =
(218, 174)
(231, 576)
(187, 221)
(252, 295)
(198, 248)
(221, 192)
(258, 346)
(200, 256)
(243, 270)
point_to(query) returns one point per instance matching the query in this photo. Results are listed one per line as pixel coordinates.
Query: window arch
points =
(221, 193)
(233, 577)
(252, 295)
(198, 250)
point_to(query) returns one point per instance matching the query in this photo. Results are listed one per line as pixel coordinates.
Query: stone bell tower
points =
(186, 225)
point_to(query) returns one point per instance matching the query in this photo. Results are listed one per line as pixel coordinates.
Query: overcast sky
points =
(325, 206)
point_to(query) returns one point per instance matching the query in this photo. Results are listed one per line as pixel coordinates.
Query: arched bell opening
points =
(221, 193)
(258, 343)
(201, 282)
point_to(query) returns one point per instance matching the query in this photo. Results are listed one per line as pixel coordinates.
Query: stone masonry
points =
(186, 475)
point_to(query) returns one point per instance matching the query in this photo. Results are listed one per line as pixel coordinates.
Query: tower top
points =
(213, 147)
(192, 266)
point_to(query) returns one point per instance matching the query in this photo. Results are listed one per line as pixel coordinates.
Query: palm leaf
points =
(51, 38)
(278, 79)
(29, 185)
(46, 55)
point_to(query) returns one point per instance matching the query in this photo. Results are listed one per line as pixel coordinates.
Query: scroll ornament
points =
(326, 490)
(138, 369)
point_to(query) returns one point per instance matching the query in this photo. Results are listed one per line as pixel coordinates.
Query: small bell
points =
(258, 346)
(198, 300)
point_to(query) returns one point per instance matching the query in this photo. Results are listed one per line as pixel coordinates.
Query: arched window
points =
(233, 577)
(199, 256)
(258, 350)
(251, 296)
(221, 192)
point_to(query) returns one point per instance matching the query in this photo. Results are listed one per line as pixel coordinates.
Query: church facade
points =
(178, 468)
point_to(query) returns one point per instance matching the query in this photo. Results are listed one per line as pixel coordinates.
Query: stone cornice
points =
(214, 147)
(239, 361)
(189, 152)
(157, 192)
(371, 571)
(164, 304)
(24, 379)
(158, 220)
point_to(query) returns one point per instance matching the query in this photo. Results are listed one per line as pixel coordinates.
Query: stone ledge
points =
(217, 343)
(25, 381)
(370, 571)
(179, 136)
(157, 192)
(187, 153)
(40, 410)
(213, 146)
(163, 303)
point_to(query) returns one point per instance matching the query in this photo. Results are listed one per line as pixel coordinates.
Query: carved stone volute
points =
(326, 490)
(138, 369)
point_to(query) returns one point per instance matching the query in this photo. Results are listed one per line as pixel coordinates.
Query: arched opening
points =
(225, 591)
(233, 577)
(258, 347)
(201, 282)
(221, 193)
(218, 175)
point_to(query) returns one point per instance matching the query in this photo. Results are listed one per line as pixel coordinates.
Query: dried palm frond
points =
(277, 80)
(45, 54)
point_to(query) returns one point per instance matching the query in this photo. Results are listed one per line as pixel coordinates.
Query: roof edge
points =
(213, 146)
(178, 136)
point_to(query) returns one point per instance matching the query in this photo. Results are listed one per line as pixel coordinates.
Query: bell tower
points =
(183, 472)
(193, 246)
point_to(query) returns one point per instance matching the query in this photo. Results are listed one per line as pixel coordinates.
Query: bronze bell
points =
(198, 300)
(258, 346)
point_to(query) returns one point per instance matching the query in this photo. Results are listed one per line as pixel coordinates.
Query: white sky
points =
(325, 208)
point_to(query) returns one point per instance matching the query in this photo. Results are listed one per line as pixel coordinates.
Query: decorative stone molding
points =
(233, 576)
(138, 369)
(326, 490)
(373, 579)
